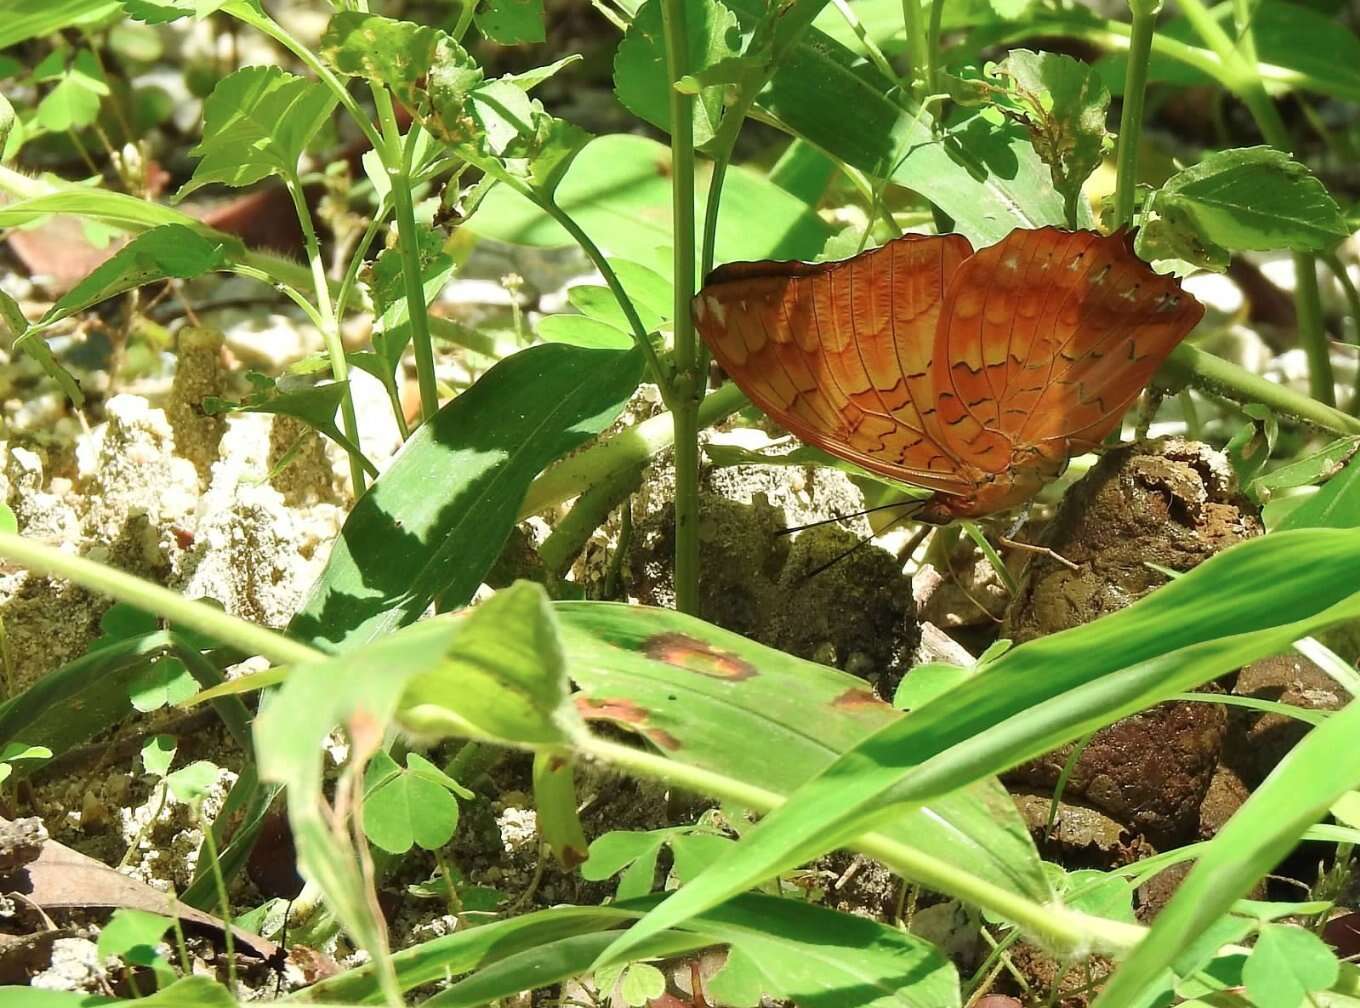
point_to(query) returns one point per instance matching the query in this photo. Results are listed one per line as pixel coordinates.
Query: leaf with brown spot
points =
(690, 653)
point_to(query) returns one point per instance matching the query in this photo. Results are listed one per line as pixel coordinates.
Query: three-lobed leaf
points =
(256, 123)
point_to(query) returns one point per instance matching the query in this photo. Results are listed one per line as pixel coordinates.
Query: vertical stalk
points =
(1131, 115)
(687, 384)
(933, 47)
(396, 161)
(1241, 76)
(330, 329)
(916, 45)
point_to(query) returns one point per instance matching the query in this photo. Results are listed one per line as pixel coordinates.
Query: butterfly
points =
(976, 375)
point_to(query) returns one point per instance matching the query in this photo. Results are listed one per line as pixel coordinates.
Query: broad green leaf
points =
(170, 250)
(578, 330)
(631, 856)
(315, 406)
(988, 179)
(511, 22)
(1336, 505)
(404, 809)
(1063, 104)
(74, 102)
(157, 754)
(256, 123)
(1238, 200)
(618, 190)
(503, 678)
(435, 521)
(814, 957)
(1346, 809)
(641, 73)
(1250, 448)
(926, 682)
(713, 699)
(1229, 610)
(28, 19)
(396, 54)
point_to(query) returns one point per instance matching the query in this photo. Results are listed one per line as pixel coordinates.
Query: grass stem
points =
(1131, 115)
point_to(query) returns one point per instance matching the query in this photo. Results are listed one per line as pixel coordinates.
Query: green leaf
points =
(396, 54)
(315, 406)
(1316, 467)
(618, 190)
(419, 765)
(158, 753)
(403, 809)
(1240, 200)
(27, 19)
(193, 783)
(639, 983)
(435, 521)
(133, 934)
(713, 699)
(256, 123)
(1286, 965)
(559, 826)
(577, 330)
(164, 11)
(642, 77)
(7, 120)
(511, 22)
(1063, 104)
(1231, 609)
(82, 698)
(165, 682)
(926, 682)
(1250, 448)
(1336, 505)
(503, 677)
(74, 102)
(632, 854)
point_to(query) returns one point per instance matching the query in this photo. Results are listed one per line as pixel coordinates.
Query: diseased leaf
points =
(164, 11)
(1240, 200)
(642, 76)
(559, 826)
(1063, 104)
(511, 22)
(256, 123)
(396, 54)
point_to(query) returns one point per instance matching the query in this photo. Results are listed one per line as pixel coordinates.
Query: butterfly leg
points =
(1032, 548)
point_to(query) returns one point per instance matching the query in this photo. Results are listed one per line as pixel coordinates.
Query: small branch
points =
(1131, 115)
(206, 619)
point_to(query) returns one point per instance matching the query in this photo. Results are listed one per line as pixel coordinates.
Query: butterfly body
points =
(975, 375)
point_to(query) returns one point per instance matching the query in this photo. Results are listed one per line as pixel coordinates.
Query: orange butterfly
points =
(976, 375)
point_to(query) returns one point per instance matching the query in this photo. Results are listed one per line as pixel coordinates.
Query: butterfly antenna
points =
(856, 514)
(845, 553)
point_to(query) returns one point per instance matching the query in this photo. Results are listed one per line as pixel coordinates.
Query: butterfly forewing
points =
(840, 353)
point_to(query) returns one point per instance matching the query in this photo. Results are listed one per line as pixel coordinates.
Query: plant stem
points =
(1131, 115)
(396, 160)
(688, 384)
(917, 46)
(660, 374)
(206, 619)
(1201, 370)
(1239, 74)
(1062, 927)
(330, 330)
(1338, 269)
(933, 47)
(570, 535)
(628, 449)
